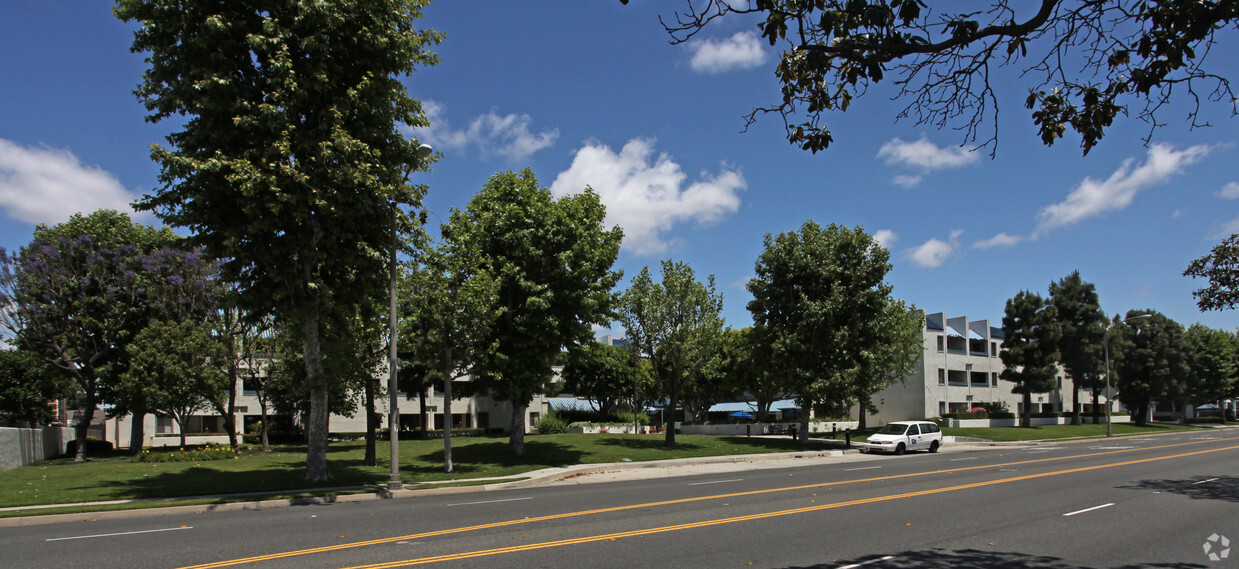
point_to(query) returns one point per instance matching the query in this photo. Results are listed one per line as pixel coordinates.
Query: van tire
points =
(933, 447)
(900, 449)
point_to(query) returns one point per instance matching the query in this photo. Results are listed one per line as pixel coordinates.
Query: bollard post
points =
(848, 433)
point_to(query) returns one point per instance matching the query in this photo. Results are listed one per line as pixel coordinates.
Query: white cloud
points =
(925, 155)
(1229, 191)
(492, 134)
(907, 180)
(922, 157)
(934, 252)
(1000, 240)
(1092, 197)
(741, 51)
(886, 238)
(46, 185)
(644, 195)
(1225, 230)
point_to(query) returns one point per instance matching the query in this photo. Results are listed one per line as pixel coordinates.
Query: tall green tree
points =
(892, 349)
(285, 159)
(751, 368)
(817, 291)
(551, 261)
(608, 376)
(708, 385)
(451, 311)
(1029, 348)
(27, 385)
(1214, 360)
(1152, 362)
(70, 297)
(182, 363)
(676, 323)
(1083, 329)
(1084, 63)
(178, 362)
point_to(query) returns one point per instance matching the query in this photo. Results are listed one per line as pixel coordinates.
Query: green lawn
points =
(1062, 431)
(116, 477)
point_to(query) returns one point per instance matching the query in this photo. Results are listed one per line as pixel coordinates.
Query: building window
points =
(941, 376)
(941, 408)
(1060, 382)
(940, 345)
(993, 379)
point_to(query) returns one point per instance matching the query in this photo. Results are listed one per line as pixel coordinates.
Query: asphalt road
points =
(1149, 502)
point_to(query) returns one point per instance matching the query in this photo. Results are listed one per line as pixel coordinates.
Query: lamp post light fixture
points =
(1109, 394)
(393, 415)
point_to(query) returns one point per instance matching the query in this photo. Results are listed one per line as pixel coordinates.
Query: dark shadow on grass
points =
(974, 559)
(204, 480)
(1225, 488)
(484, 457)
(646, 443)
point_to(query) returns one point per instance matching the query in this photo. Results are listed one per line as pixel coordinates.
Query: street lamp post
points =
(1106, 344)
(393, 415)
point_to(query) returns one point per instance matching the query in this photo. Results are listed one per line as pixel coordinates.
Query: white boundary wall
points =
(19, 447)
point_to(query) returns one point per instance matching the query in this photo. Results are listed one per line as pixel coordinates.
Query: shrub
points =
(552, 424)
(192, 454)
(93, 446)
(1205, 420)
(625, 417)
(967, 415)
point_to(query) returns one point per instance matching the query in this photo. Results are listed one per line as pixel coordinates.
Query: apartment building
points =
(958, 370)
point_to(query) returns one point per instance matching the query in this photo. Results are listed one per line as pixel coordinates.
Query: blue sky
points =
(592, 93)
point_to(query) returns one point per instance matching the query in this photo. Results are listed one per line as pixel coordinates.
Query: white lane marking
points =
(861, 468)
(1204, 481)
(717, 482)
(969, 458)
(1089, 509)
(1109, 448)
(117, 534)
(855, 565)
(1037, 451)
(491, 501)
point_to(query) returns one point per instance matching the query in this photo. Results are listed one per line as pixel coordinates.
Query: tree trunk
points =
(1075, 402)
(372, 424)
(230, 418)
(316, 428)
(1026, 419)
(266, 444)
(421, 397)
(803, 435)
(516, 434)
(82, 428)
(137, 432)
(447, 417)
(860, 424)
(669, 416)
(1096, 405)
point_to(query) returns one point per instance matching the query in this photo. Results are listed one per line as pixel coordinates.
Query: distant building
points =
(959, 370)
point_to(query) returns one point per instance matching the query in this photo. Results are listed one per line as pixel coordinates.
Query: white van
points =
(902, 436)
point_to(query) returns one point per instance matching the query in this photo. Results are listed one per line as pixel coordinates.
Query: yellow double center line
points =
(609, 537)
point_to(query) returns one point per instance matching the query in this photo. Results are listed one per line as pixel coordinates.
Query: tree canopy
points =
(818, 292)
(1084, 63)
(1082, 327)
(73, 298)
(676, 323)
(551, 262)
(285, 160)
(1221, 268)
(1030, 347)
